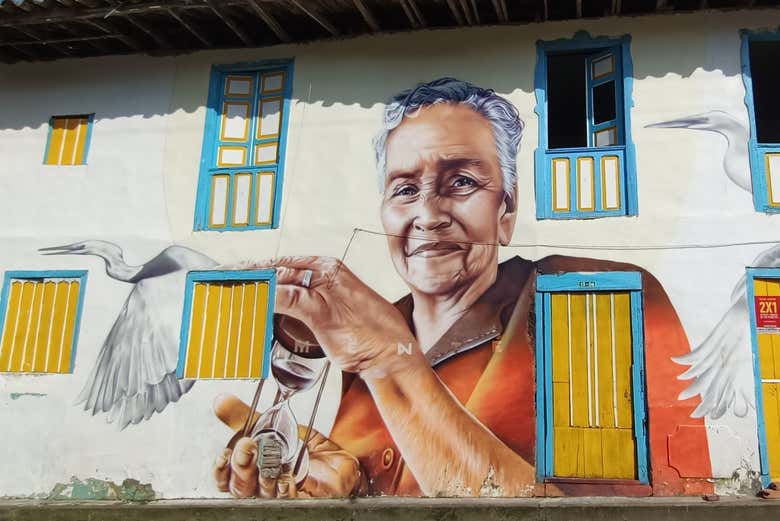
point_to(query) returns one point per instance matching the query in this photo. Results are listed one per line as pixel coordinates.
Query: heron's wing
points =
(134, 375)
(721, 367)
(769, 258)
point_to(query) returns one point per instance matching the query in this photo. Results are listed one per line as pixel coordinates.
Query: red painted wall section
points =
(679, 451)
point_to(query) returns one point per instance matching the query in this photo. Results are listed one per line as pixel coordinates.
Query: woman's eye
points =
(406, 190)
(463, 182)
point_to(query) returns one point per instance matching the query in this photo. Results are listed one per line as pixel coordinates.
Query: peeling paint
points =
(743, 481)
(16, 396)
(91, 488)
(489, 487)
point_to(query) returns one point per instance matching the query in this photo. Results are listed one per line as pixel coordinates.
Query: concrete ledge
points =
(564, 509)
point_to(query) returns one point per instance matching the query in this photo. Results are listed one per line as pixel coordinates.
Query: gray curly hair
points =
(502, 115)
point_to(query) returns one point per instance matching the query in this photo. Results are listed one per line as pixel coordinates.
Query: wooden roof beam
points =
(108, 29)
(205, 41)
(222, 15)
(270, 21)
(60, 14)
(37, 39)
(455, 12)
(409, 14)
(317, 17)
(413, 13)
(416, 10)
(95, 44)
(54, 41)
(25, 52)
(466, 9)
(367, 15)
(158, 39)
(501, 12)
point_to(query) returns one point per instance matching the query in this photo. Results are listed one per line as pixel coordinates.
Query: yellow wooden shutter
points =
(227, 330)
(40, 322)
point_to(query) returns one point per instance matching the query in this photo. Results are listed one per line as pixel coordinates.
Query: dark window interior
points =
(764, 59)
(604, 107)
(566, 112)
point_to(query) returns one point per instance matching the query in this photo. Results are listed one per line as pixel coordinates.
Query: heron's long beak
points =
(75, 248)
(686, 122)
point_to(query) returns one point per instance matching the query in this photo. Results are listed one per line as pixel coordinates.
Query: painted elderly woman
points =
(455, 416)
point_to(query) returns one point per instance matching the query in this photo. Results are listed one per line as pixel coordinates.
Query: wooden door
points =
(592, 396)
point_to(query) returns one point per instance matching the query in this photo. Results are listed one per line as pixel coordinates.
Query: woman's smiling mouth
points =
(434, 249)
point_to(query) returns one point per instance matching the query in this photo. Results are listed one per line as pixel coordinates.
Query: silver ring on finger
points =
(307, 275)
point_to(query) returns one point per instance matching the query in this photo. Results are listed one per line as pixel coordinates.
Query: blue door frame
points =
(587, 282)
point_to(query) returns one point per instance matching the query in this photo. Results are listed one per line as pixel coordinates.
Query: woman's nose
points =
(432, 214)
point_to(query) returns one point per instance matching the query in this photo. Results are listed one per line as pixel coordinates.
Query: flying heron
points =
(135, 373)
(721, 366)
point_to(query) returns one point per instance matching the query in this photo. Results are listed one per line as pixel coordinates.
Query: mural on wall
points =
(721, 365)
(440, 387)
(135, 373)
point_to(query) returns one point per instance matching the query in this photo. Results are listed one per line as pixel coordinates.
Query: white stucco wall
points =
(138, 190)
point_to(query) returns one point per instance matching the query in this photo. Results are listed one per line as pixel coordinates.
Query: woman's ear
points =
(507, 214)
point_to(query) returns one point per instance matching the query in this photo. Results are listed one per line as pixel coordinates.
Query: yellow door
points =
(593, 421)
(769, 360)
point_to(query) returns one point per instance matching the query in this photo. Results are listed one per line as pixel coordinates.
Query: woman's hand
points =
(359, 330)
(333, 472)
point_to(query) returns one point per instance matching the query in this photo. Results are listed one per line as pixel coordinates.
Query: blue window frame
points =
(227, 324)
(596, 178)
(40, 318)
(763, 454)
(589, 284)
(764, 145)
(244, 143)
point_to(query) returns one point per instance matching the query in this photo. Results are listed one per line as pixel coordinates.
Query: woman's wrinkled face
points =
(444, 207)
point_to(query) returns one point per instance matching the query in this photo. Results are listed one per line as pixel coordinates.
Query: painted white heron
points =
(735, 160)
(721, 366)
(135, 372)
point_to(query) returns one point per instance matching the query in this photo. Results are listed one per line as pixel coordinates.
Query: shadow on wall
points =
(503, 57)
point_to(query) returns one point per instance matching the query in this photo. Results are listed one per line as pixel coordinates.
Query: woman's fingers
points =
(285, 485)
(298, 302)
(243, 469)
(266, 487)
(222, 470)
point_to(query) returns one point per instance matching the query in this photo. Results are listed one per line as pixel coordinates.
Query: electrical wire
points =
(649, 247)
(579, 246)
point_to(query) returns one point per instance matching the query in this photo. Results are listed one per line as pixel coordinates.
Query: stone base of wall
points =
(565, 509)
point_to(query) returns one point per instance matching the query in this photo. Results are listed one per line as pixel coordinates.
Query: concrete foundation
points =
(580, 509)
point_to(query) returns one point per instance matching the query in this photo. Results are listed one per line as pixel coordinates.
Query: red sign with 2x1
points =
(767, 316)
